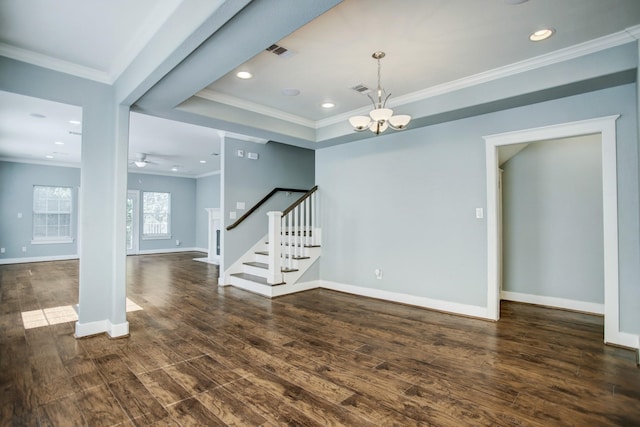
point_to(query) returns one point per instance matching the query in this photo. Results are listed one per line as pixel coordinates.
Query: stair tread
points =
(253, 278)
(257, 264)
(266, 253)
(266, 266)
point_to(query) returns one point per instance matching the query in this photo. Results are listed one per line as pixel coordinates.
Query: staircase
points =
(276, 263)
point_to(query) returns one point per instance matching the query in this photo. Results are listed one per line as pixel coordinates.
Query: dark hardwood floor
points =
(208, 356)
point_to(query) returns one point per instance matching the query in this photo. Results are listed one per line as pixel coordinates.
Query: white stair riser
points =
(248, 285)
(256, 271)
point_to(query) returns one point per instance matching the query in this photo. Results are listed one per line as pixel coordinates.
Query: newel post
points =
(275, 258)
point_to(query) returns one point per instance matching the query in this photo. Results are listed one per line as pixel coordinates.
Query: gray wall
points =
(249, 181)
(183, 202)
(405, 202)
(552, 220)
(16, 196)
(207, 196)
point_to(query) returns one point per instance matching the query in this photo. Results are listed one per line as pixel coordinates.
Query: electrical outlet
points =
(239, 205)
(233, 215)
(177, 242)
(2, 250)
(24, 249)
(19, 215)
(378, 273)
(252, 156)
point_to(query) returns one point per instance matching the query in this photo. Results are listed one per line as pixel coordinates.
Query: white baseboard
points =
(281, 290)
(100, 327)
(168, 251)
(37, 259)
(117, 330)
(205, 250)
(433, 304)
(584, 306)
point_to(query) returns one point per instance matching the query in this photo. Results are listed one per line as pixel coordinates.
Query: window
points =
(156, 221)
(51, 214)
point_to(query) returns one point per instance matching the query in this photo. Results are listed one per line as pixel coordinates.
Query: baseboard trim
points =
(423, 302)
(37, 259)
(567, 304)
(168, 251)
(102, 326)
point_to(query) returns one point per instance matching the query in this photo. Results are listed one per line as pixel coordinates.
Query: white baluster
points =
(290, 241)
(275, 261)
(307, 227)
(296, 227)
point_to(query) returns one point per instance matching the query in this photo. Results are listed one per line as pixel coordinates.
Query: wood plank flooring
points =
(199, 355)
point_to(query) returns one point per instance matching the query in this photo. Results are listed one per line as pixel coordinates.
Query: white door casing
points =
(606, 127)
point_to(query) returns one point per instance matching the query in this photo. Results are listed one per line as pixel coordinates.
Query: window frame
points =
(155, 236)
(44, 240)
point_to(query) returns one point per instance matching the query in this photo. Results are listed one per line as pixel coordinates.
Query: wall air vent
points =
(282, 52)
(361, 89)
(71, 132)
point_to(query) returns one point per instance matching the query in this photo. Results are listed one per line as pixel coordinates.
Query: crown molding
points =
(40, 162)
(593, 46)
(55, 64)
(204, 175)
(232, 101)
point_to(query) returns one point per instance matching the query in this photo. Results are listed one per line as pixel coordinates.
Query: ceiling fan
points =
(141, 160)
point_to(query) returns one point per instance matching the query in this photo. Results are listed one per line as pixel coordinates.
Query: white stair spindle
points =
(314, 217)
(307, 228)
(290, 242)
(274, 274)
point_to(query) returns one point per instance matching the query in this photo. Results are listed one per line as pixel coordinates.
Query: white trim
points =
(156, 237)
(90, 328)
(205, 250)
(52, 242)
(606, 126)
(253, 107)
(628, 35)
(55, 64)
(40, 162)
(204, 175)
(100, 327)
(167, 251)
(117, 330)
(567, 304)
(424, 302)
(37, 259)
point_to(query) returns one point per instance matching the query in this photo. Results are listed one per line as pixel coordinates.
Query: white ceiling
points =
(429, 44)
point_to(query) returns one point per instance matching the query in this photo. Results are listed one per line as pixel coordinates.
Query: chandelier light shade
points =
(380, 118)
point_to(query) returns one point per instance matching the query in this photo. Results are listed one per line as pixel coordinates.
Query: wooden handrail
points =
(261, 202)
(300, 200)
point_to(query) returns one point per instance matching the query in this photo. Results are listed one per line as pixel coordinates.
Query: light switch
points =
(233, 215)
(239, 205)
(252, 156)
(240, 153)
(479, 213)
(19, 215)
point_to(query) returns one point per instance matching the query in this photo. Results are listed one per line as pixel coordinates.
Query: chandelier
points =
(380, 118)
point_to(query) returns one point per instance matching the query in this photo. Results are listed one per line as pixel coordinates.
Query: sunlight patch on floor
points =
(54, 315)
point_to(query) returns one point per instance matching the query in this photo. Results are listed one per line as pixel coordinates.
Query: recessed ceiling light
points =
(543, 34)
(58, 142)
(244, 75)
(37, 115)
(203, 161)
(174, 169)
(49, 156)
(290, 91)
(74, 122)
(515, 1)
(328, 105)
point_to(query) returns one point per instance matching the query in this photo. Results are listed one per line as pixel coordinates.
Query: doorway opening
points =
(606, 127)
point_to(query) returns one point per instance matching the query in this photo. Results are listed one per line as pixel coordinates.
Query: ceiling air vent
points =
(282, 52)
(361, 89)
